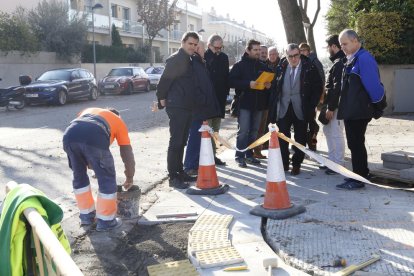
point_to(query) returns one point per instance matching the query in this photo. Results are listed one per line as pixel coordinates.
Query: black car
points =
(60, 85)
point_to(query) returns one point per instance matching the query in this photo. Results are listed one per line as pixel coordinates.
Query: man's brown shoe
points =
(295, 171)
(259, 155)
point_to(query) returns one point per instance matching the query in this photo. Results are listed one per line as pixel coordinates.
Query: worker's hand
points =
(128, 184)
(154, 106)
(267, 85)
(329, 115)
(252, 84)
(162, 102)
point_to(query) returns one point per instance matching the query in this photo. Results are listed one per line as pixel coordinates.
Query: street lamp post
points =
(96, 6)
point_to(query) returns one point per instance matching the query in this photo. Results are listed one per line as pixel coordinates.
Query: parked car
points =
(154, 74)
(61, 85)
(125, 80)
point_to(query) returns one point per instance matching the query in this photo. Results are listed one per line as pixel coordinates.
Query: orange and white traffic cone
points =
(207, 181)
(277, 203)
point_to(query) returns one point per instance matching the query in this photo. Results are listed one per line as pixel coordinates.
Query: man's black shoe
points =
(177, 183)
(351, 185)
(187, 178)
(241, 162)
(219, 162)
(330, 172)
(252, 160)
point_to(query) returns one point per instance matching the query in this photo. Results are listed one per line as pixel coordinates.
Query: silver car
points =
(154, 74)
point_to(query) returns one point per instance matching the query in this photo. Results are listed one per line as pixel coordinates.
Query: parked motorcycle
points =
(13, 96)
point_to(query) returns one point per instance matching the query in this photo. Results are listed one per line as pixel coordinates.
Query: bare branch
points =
(316, 13)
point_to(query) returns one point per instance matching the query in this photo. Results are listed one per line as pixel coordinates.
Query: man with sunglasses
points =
(217, 64)
(298, 89)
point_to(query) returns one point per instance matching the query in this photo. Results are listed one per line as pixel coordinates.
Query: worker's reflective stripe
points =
(106, 206)
(82, 190)
(87, 211)
(84, 199)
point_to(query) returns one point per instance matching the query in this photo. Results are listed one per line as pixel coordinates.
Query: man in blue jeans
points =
(243, 77)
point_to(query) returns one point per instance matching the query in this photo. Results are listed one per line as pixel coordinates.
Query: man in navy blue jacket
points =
(362, 94)
(243, 77)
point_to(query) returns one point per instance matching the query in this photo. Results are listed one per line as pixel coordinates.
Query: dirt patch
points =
(130, 253)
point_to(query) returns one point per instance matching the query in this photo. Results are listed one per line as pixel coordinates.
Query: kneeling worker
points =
(86, 142)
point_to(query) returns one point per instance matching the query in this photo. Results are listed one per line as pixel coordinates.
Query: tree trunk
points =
(151, 57)
(311, 39)
(292, 20)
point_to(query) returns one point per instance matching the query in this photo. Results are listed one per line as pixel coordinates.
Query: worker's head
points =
(293, 54)
(273, 54)
(113, 110)
(350, 41)
(215, 43)
(189, 42)
(253, 49)
(263, 53)
(201, 48)
(333, 45)
(304, 49)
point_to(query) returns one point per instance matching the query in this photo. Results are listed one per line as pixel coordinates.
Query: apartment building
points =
(123, 13)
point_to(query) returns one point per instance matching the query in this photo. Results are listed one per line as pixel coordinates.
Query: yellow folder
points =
(262, 79)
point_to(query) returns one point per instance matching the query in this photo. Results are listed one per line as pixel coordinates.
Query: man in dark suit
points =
(298, 89)
(218, 66)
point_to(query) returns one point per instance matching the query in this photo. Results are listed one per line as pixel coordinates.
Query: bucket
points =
(128, 202)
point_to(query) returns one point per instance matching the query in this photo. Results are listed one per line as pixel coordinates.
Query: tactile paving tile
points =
(202, 246)
(218, 257)
(212, 220)
(208, 235)
(177, 268)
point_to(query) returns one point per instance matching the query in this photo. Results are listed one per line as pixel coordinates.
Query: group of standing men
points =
(194, 88)
(351, 95)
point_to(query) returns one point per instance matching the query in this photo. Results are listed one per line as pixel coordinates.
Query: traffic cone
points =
(277, 203)
(207, 181)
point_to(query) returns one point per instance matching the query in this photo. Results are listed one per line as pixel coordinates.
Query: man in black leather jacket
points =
(175, 91)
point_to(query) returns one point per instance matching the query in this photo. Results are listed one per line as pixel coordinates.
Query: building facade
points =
(123, 14)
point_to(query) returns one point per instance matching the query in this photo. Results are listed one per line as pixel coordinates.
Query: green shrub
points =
(114, 54)
(381, 33)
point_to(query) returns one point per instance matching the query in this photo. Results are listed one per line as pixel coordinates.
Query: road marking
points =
(43, 127)
(122, 110)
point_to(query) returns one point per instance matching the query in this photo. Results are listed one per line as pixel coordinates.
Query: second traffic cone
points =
(277, 203)
(207, 181)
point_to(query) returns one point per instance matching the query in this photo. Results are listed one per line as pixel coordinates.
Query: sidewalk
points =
(350, 224)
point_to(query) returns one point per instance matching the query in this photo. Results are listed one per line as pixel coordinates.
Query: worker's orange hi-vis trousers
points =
(84, 200)
(106, 206)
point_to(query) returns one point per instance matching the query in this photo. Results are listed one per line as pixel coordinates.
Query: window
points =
(191, 27)
(84, 74)
(126, 13)
(75, 75)
(136, 72)
(114, 11)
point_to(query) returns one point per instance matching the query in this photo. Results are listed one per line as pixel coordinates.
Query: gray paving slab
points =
(396, 165)
(398, 157)
(407, 173)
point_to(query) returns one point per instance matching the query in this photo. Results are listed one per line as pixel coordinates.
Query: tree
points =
(307, 24)
(116, 37)
(292, 20)
(15, 32)
(156, 15)
(337, 16)
(57, 30)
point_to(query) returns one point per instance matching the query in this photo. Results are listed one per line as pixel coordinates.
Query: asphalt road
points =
(31, 148)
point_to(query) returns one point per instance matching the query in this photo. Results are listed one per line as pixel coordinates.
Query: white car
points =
(154, 74)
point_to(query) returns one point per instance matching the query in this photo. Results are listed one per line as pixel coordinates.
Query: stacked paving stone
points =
(209, 244)
(400, 160)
